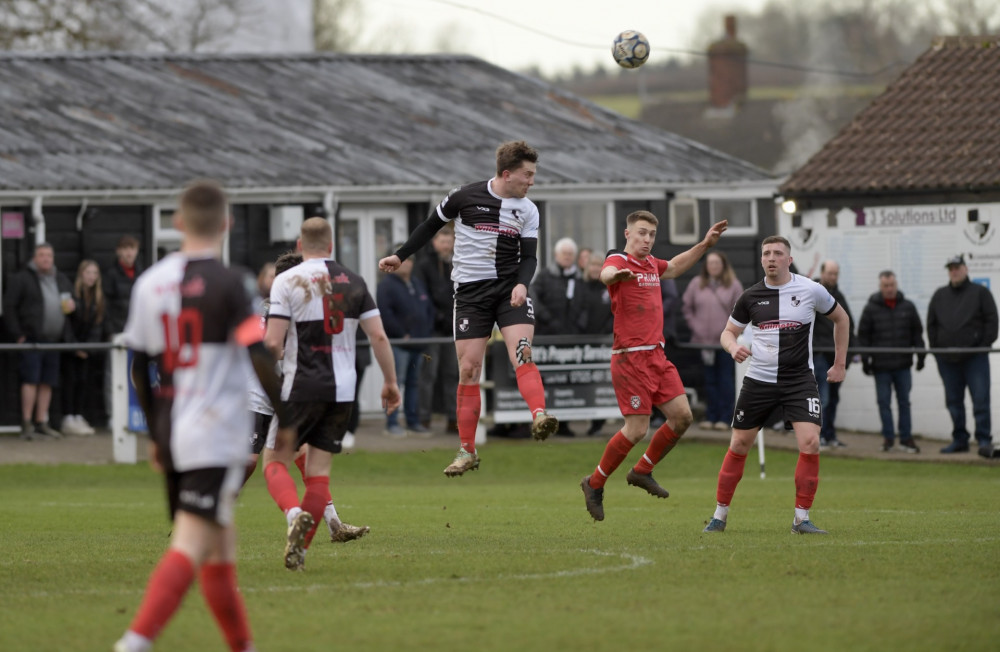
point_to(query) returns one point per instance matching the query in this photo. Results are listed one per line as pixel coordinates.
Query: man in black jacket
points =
(829, 393)
(891, 320)
(439, 373)
(555, 292)
(118, 281)
(963, 314)
(34, 310)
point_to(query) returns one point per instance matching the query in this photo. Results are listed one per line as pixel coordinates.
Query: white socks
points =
(801, 514)
(721, 512)
(330, 514)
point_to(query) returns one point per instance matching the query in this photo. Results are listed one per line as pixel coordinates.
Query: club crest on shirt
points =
(635, 402)
(796, 301)
(463, 324)
(739, 415)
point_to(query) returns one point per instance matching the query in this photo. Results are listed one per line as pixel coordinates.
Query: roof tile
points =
(936, 128)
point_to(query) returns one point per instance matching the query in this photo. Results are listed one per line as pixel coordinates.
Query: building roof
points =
(152, 121)
(936, 129)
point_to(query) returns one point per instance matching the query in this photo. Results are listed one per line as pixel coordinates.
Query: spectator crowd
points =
(42, 304)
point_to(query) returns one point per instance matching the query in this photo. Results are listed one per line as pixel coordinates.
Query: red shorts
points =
(643, 379)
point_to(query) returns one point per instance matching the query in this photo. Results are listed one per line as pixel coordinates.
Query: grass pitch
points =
(507, 558)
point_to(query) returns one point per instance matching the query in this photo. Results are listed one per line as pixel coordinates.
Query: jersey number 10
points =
(182, 350)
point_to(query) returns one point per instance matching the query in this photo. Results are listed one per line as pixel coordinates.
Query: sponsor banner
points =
(577, 379)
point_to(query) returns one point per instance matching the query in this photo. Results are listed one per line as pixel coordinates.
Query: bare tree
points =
(137, 25)
(974, 17)
(336, 25)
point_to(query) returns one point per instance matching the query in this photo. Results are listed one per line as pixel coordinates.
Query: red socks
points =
(729, 476)
(529, 383)
(315, 500)
(218, 585)
(167, 585)
(281, 486)
(300, 462)
(616, 451)
(663, 441)
(469, 405)
(806, 480)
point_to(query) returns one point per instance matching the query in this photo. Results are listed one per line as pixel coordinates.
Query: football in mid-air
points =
(630, 49)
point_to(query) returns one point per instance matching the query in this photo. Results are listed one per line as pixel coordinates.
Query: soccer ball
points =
(630, 49)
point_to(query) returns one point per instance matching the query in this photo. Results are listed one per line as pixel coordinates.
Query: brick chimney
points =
(727, 69)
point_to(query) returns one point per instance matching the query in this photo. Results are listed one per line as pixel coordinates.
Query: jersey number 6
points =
(333, 316)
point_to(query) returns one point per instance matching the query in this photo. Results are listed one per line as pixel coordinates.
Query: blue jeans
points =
(829, 397)
(720, 388)
(974, 373)
(902, 379)
(408, 363)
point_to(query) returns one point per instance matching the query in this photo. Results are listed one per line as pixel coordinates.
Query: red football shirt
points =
(637, 304)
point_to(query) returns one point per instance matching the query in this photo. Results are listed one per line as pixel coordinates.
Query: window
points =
(741, 213)
(585, 222)
(684, 221)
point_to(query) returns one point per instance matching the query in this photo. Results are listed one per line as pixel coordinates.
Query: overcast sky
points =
(553, 34)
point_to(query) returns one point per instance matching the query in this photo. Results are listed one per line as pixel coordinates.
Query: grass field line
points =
(632, 562)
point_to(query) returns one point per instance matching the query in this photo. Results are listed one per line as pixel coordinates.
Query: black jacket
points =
(882, 326)
(23, 309)
(436, 276)
(84, 322)
(555, 314)
(405, 312)
(117, 294)
(963, 316)
(595, 313)
(823, 329)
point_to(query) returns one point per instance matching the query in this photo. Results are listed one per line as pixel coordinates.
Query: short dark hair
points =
(286, 261)
(771, 239)
(127, 241)
(511, 155)
(886, 273)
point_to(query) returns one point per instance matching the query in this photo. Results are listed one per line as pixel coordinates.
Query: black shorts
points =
(481, 304)
(799, 401)
(209, 493)
(39, 367)
(261, 424)
(321, 425)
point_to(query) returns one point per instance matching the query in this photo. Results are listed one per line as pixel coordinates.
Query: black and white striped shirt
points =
(488, 231)
(781, 320)
(323, 301)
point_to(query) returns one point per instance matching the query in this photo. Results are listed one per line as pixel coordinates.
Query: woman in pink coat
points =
(708, 301)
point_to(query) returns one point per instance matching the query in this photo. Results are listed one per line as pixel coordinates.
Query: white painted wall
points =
(914, 242)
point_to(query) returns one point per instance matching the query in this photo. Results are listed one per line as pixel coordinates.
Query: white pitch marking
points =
(633, 562)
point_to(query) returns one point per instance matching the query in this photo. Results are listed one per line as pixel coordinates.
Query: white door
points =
(365, 234)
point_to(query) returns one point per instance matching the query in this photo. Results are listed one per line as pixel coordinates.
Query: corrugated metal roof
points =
(936, 128)
(149, 121)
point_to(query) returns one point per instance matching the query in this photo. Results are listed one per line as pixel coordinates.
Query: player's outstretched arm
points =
(685, 260)
(420, 236)
(382, 350)
(390, 263)
(611, 275)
